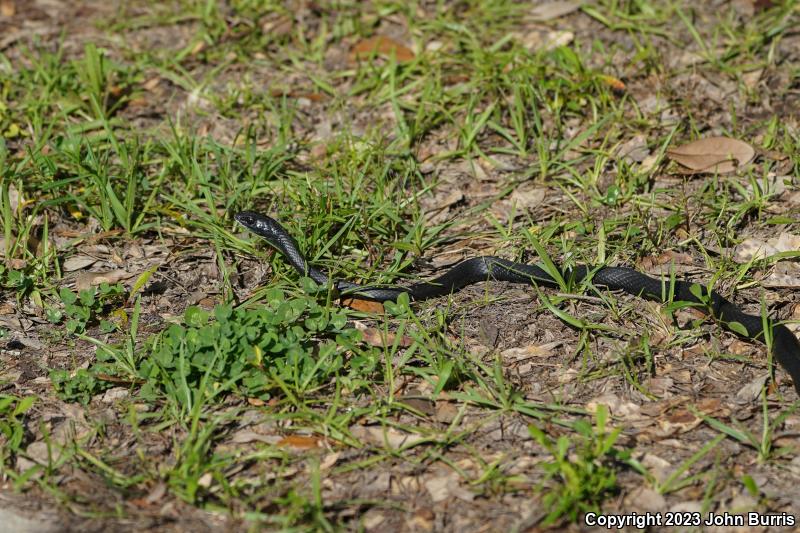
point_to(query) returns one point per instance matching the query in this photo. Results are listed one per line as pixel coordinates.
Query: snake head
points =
(257, 223)
(246, 218)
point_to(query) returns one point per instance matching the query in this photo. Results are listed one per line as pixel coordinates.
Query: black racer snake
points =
(785, 346)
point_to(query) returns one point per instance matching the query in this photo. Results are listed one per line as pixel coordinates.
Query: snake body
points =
(785, 346)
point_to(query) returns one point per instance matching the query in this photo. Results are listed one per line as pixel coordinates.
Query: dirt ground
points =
(446, 462)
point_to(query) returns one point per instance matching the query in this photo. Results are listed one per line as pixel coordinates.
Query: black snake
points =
(785, 346)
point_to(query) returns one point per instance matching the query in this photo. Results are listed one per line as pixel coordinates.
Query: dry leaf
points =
(752, 249)
(616, 406)
(385, 436)
(557, 39)
(329, 460)
(383, 46)
(756, 249)
(7, 8)
(156, 493)
(372, 519)
(787, 242)
(532, 350)
(553, 10)
(528, 197)
(752, 78)
(206, 480)
(680, 421)
(444, 487)
(712, 154)
(752, 390)
(15, 198)
(785, 274)
(78, 262)
(446, 412)
(151, 84)
(312, 96)
(301, 442)
(376, 337)
(645, 499)
(244, 436)
(634, 149)
(616, 84)
(423, 405)
(85, 280)
(367, 306)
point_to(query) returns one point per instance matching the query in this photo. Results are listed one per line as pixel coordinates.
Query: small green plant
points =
(88, 305)
(78, 386)
(584, 477)
(292, 344)
(12, 428)
(16, 280)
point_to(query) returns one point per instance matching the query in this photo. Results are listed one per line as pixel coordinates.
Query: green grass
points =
(355, 173)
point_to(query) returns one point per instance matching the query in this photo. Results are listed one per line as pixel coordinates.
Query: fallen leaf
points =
(151, 84)
(634, 149)
(755, 249)
(423, 405)
(243, 436)
(645, 499)
(649, 162)
(85, 280)
(680, 421)
(785, 274)
(376, 337)
(752, 250)
(532, 350)
(385, 436)
(421, 520)
(78, 262)
(372, 519)
(616, 84)
(302, 442)
(276, 26)
(556, 39)
(156, 494)
(786, 242)
(329, 460)
(116, 379)
(197, 48)
(446, 412)
(656, 465)
(257, 402)
(751, 391)
(712, 154)
(7, 8)
(367, 306)
(312, 96)
(752, 78)
(383, 46)
(616, 406)
(528, 197)
(206, 480)
(712, 407)
(443, 487)
(15, 198)
(553, 10)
